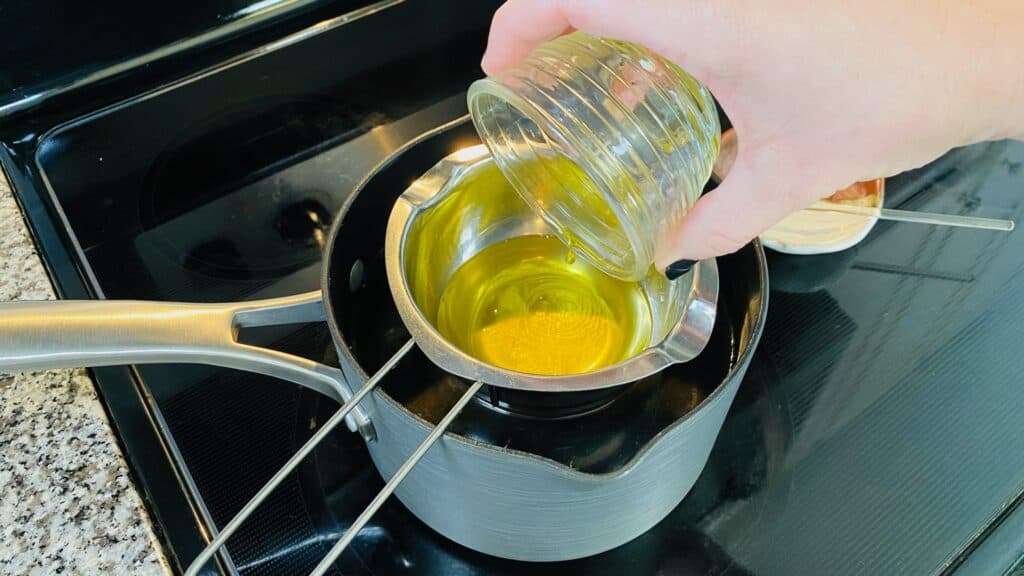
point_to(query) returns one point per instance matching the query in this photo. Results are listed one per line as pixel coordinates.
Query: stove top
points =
(876, 430)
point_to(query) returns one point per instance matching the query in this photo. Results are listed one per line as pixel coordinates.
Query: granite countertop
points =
(67, 503)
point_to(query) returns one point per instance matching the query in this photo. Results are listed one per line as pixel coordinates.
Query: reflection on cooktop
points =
(304, 223)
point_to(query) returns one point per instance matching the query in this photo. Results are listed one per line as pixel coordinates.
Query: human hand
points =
(822, 94)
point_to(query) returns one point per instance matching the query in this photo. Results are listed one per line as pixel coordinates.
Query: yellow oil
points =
(526, 304)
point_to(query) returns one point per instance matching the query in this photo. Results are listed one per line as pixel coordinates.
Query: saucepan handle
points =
(91, 333)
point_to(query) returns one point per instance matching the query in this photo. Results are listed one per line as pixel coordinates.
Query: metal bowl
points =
(463, 205)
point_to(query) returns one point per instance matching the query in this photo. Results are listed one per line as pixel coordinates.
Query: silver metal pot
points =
(498, 501)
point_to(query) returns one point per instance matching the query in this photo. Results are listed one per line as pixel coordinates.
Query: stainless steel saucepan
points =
(432, 230)
(42, 335)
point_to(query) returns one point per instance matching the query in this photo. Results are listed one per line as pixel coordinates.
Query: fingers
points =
(747, 203)
(519, 26)
(669, 27)
(699, 35)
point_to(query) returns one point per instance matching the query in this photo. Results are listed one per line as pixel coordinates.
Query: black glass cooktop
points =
(52, 48)
(877, 430)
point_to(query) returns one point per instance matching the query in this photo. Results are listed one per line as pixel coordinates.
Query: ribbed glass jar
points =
(610, 143)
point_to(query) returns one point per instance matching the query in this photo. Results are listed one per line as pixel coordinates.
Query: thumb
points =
(749, 201)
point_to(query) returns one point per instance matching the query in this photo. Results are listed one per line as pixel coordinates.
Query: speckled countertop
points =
(67, 504)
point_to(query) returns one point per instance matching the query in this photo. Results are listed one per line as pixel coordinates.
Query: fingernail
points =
(678, 268)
